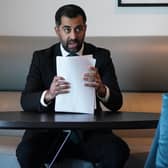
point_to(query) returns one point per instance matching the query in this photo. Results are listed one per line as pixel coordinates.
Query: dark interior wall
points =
(141, 62)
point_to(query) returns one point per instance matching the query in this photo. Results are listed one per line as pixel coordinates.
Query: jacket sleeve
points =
(108, 76)
(34, 87)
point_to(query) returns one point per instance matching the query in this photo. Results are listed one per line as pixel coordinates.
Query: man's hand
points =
(58, 86)
(93, 79)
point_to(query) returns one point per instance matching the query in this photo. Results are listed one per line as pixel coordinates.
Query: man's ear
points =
(56, 29)
(85, 27)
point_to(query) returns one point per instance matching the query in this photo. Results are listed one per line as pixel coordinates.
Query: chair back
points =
(158, 155)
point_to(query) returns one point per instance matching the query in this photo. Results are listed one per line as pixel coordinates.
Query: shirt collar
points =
(65, 53)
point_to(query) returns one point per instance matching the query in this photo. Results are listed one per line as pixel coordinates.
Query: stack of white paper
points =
(80, 99)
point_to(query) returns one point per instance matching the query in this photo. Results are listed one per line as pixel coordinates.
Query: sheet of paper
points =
(80, 99)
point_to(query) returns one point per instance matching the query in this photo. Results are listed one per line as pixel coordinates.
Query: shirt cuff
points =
(42, 99)
(105, 99)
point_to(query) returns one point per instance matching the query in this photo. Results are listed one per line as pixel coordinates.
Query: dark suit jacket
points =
(43, 69)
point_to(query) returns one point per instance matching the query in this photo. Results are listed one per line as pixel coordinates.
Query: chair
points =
(158, 155)
(70, 163)
(73, 163)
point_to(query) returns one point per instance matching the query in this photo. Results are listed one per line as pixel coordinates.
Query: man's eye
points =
(67, 29)
(79, 29)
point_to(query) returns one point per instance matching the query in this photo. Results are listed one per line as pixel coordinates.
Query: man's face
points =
(71, 33)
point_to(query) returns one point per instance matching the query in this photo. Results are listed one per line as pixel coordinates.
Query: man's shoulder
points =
(97, 52)
(47, 51)
(96, 49)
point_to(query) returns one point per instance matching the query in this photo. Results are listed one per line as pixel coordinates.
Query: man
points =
(101, 147)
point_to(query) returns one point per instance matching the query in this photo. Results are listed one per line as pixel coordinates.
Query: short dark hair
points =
(70, 11)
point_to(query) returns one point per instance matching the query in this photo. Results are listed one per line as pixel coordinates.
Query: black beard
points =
(73, 50)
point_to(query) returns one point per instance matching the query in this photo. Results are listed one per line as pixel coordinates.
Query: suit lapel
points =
(56, 52)
(89, 49)
(51, 63)
(86, 50)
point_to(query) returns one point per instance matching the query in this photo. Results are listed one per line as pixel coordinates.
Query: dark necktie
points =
(72, 54)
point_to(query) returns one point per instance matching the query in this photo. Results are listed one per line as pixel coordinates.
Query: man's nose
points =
(73, 34)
